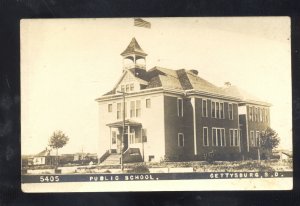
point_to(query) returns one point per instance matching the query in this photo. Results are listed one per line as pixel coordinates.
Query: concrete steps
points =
(112, 159)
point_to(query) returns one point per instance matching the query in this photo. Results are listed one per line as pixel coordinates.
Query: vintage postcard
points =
(156, 104)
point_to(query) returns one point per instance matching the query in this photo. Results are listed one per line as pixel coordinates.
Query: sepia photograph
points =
(156, 104)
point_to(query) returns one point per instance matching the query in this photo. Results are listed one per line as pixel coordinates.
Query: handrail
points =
(142, 66)
(104, 156)
(129, 157)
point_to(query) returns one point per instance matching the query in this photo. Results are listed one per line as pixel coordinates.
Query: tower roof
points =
(133, 48)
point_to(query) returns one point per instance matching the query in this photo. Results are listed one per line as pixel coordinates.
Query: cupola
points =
(134, 56)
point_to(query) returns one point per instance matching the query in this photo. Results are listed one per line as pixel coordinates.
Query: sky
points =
(67, 63)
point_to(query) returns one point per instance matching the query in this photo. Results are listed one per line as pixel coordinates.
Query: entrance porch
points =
(133, 144)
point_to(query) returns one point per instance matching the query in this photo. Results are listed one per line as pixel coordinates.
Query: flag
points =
(142, 23)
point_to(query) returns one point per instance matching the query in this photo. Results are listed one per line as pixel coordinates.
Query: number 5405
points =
(49, 178)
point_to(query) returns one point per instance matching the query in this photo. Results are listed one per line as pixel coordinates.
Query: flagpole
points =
(140, 25)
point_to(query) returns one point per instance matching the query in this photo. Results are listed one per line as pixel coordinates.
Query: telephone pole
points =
(123, 133)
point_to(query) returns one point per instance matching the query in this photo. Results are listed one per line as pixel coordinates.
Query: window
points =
(180, 107)
(218, 109)
(132, 136)
(204, 108)
(118, 110)
(267, 115)
(151, 157)
(122, 88)
(114, 137)
(257, 139)
(250, 113)
(213, 109)
(214, 137)
(223, 143)
(231, 137)
(205, 136)
(230, 111)
(240, 135)
(144, 135)
(218, 137)
(109, 107)
(180, 140)
(138, 108)
(254, 114)
(252, 139)
(148, 103)
(132, 109)
(257, 115)
(222, 110)
(125, 109)
(131, 87)
(138, 139)
(127, 87)
(260, 114)
(234, 138)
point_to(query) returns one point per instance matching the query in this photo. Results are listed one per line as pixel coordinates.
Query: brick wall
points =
(222, 153)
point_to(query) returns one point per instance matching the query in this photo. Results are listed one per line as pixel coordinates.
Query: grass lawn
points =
(222, 166)
(196, 166)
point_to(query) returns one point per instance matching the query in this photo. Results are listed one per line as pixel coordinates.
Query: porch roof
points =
(128, 122)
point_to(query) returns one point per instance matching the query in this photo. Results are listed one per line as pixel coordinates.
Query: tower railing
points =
(140, 66)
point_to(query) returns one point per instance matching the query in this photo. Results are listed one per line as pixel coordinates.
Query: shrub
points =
(139, 169)
(209, 157)
(253, 166)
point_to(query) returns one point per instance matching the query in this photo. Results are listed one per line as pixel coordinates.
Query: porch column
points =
(194, 124)
(128, 135)
(247, 131)
(142, 137)
(109, 137)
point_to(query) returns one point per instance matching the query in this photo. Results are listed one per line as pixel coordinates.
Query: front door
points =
(119, 140)
(125, 142)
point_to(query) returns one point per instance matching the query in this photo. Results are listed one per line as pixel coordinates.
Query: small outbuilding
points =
(44, 158)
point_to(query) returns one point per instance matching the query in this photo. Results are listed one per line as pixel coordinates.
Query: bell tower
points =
(133, 56)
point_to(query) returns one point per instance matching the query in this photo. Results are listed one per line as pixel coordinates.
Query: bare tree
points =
(57, 141)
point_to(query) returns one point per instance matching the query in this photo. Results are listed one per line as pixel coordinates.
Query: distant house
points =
(45, 157)
(79, 156)
(91, 157)
(283, 154)
(85, 157)
(66, 158)
(177, 115)
(286, 155)
(26, 160)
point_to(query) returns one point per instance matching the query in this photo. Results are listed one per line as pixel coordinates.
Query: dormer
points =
(130, 82)
(134, 56)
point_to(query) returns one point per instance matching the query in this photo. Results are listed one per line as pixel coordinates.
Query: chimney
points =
(227, 84)
(194, 71)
